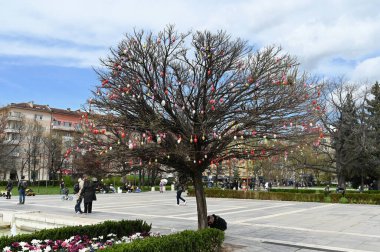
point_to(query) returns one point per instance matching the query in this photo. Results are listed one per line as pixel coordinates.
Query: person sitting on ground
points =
(215, 221)
(112, 188)
(138, 190)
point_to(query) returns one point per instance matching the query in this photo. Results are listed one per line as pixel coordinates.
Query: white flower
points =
(111, 234)
(48, 248)
(84, 250)
(101, 237)
(22, 244)
(6, 249)
(124, 238)
(35, 242)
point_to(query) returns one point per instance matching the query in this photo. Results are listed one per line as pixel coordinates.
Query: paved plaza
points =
(253, 225)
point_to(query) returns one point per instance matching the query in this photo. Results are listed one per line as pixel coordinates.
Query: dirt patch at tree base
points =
(227, 247)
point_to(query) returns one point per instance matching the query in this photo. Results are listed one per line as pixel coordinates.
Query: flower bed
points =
(76, 243)
(204, 240)
(123, 228)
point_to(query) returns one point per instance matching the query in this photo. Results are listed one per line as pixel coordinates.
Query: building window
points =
(38, 117)
(13, 137)
(67, 124)
(15, 114)
(56, 123)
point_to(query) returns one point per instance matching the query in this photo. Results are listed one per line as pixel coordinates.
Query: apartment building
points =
(29, 127)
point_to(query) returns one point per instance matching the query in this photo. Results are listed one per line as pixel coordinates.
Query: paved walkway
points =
(253, 225)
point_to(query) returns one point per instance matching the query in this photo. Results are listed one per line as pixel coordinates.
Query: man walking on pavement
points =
(180, 189)
(22, 185)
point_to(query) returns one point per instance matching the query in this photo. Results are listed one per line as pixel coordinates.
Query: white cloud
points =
(368, 71)
(318, 32)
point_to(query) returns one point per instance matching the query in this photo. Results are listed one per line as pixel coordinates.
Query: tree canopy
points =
(188, 100)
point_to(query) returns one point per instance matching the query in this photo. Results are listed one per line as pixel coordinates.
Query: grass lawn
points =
(39, 190)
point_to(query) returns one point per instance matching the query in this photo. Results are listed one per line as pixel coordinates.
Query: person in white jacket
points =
(77, 208)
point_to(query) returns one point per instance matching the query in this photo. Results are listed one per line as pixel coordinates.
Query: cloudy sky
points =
(48, 49)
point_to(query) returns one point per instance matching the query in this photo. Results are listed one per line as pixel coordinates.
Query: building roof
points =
(43, 108)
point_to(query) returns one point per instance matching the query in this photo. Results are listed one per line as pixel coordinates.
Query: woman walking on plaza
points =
(88, 194)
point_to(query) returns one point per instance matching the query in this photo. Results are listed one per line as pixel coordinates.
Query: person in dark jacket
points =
(22, 185)
(215, 221)
(180, 189)
(88, 194)
(9, 189)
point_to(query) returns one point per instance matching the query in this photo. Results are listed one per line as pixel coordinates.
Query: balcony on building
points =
(11, 141)
(11, 130)
(61, 127)
(14, 154)
(14, 116)
(65, 126)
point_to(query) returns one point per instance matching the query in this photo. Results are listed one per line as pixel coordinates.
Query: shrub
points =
(349, 197)
(206, 240)
(119, 228)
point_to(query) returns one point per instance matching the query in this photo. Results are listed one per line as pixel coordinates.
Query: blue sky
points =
(48, 50)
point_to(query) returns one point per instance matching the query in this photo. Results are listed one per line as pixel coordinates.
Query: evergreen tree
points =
(344, 141)
(373, 143)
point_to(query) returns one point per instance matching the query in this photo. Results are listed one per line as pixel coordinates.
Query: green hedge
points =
(206, 240)
(119, 228)
(355, 198)
(293, 190)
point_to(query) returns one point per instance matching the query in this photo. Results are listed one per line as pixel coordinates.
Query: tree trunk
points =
(341, 180)
(201, 200)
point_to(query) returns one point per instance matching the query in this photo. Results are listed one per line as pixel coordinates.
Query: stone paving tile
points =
(253, 225)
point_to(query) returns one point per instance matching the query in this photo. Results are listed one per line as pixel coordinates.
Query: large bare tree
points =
(190, 100)
(10, 138)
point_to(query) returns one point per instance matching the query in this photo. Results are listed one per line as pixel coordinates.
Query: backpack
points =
(76, 188)
(24, 184)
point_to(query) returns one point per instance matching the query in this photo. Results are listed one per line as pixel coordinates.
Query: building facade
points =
(37, 140)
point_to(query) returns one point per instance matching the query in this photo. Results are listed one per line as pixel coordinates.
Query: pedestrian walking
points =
(180, 189)
(77, 191)
(62, 187)
(9, 188)
(161, 187)
(88, 194)
(22, 185)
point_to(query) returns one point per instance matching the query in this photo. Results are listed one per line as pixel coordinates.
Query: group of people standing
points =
(86, 193)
